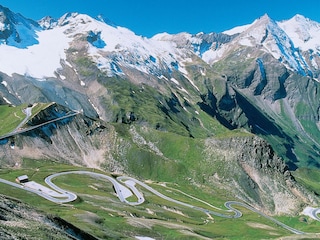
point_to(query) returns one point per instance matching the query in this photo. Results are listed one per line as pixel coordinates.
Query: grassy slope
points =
(309, 178)
(99, 212)
(10, 116)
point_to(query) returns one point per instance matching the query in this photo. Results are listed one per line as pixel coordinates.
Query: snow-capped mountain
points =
(109, 46)
(16, 30)
(192, 107)
(294, 42)
(78, 61)
(304, 33)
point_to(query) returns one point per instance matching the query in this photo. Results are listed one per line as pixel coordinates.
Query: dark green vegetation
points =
(176, 165)
(309, 178)
(12, 116)
(184, 125)
(99, 212)
(184, 156)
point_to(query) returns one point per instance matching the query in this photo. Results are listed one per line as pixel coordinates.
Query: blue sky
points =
(147, 17)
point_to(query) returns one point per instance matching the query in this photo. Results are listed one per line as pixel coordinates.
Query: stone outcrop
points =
(250, 169)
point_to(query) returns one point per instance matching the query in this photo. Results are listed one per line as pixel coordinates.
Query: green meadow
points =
(98, 211)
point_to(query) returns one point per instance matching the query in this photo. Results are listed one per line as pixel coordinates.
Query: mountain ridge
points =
(208, 44)
(235, 115)
(185, 69)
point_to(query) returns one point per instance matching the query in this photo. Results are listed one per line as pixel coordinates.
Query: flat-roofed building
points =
(22, 179)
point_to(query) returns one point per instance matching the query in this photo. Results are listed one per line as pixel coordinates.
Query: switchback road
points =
(126, 186)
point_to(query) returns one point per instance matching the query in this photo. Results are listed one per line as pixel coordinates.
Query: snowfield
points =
(114, 47)
(38, 61)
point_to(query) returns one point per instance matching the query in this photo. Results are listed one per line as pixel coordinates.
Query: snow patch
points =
(144, 238)
(183, 90)
(36, 61)
(182, 69)
(68, 64)
(62, 77)
(212, 55)
(192, 83)
(163, 77)
(7, 101)
(4, 83)
(175, 81)
(236, 30)
(94, 107)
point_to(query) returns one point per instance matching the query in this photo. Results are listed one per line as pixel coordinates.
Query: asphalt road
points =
(123, 184)
(228, 205)
(117, 186)
(17, 131)
(315, 213)
(27, 111)
(66, 196)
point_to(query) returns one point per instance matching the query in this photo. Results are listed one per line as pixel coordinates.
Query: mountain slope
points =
(16, 30)
(110, 72)
(231, 112)
(21, 221)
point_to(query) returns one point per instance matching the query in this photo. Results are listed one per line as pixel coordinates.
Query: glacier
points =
(113, 47)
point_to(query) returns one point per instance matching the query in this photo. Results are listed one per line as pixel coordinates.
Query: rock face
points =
(77, 140)
(20, 221)
(178, 84)
(269, 100)
(245, 166)
(16, 30)
(250, 169)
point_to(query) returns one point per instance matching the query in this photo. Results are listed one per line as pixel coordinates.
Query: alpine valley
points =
(204, 119)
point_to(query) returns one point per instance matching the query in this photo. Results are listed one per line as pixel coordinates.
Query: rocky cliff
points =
(250, 169)
(201, 87)
(21, 221)
(246, 166)
(77, 140)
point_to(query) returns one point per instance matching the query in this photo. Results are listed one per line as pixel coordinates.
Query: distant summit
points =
(263, 78)
(295, 43)
(16, 30)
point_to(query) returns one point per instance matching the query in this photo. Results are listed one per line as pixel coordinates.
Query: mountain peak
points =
(106, 20)
(304, 32)
(257, 32)
(47, 22)
(65, 19)
(300, 18)
(264, 20)
(265, 17)
(16, 30)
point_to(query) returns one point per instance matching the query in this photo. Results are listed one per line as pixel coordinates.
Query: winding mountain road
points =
(123, 185)
(27, 111)
(119, 188)
(19, 131)
(228, 205)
